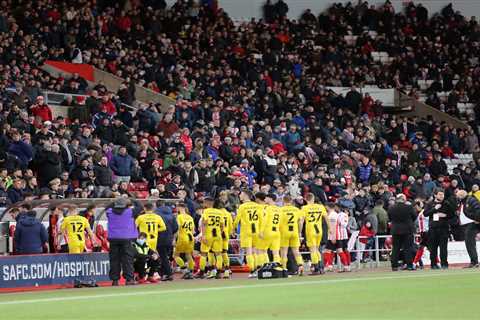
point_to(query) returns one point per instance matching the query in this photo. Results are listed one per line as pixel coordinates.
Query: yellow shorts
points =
(76, 247)
(152, 244)
(248, 240)
(271, 242)
(291, 240)
(184, 247)
(212, 244)
(313, 239)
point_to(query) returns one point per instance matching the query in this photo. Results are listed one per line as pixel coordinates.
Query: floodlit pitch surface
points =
(452, 294)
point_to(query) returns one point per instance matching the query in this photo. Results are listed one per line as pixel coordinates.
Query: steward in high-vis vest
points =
(145, 260)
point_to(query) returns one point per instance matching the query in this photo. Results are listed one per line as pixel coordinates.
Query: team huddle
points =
(266, 232)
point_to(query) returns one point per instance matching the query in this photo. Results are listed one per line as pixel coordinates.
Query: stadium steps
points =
(464, 159)
(112, 82)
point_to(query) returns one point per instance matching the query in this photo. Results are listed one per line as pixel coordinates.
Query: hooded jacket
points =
(166, 238)
(472, 208)
(30, 235)
(121, 224)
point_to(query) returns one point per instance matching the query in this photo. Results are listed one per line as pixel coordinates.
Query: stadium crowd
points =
(251, 111)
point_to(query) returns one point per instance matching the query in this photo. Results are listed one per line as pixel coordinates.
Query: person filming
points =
(470, 217)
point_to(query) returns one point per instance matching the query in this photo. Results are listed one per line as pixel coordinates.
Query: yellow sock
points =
(180, 262)
(219, 262)
(226, 260)
(277, 258)
(258, 260)
(315, 257)
(284, 262)
(211, 259)
(250, 262)
(203, 263)
(191, 264)
(299, 260)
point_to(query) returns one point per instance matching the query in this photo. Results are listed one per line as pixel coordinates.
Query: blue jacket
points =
(15, 195)
(364, 172)
(166, 238)
(30, 235)
(22, 151)
(122, 165)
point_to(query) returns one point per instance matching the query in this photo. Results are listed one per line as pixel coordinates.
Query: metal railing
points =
(57, 98)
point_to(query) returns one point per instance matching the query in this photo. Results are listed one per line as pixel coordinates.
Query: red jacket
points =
(43, 112)
(187, 143)
(109, 107)
(365, 232)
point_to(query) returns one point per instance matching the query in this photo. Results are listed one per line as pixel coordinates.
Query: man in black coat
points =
(439, 212)
(165, 239)
(103, 176)
(402, 216)
(471, 208)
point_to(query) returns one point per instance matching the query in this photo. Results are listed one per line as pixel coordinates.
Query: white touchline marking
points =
(248, 286)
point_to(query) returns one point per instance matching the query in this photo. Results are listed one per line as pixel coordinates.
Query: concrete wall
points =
(113, 82)
(246, 9)
(423, 110)
(142, 94)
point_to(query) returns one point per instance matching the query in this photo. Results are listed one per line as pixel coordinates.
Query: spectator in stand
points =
(122, 165)
(21, 149)
(30, 236)
(15, 193)
(41, 111)
(103, 177)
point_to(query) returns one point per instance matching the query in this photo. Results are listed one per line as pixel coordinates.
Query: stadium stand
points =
(250, 105)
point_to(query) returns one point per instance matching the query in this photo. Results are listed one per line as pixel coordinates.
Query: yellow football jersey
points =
(213, 221)
(75, 227)
(271, 220)
(314, 213)
(186, 226)
(228, 222)
(248, 215)
(151, 224)
(290, 218)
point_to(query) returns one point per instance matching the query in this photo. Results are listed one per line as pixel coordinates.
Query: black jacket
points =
(402, 216)
(50, 164)
(103, 176)
(447, 207)
(471, 208)
(166, 238)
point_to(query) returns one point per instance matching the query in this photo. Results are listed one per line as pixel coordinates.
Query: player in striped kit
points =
(422, 223)
(337, 238)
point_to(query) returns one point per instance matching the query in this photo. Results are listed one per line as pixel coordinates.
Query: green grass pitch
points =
(452, 294)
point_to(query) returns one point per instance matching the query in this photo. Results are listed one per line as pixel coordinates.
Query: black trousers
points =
(141, 264)
(165, 252)
(121, 259)
(402, 242)
(438, 238)
(470, 234)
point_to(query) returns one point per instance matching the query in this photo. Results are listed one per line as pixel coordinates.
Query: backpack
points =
(272, 270)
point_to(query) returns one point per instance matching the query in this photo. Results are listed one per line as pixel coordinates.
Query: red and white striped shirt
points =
(338, 222)
(422, 223)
